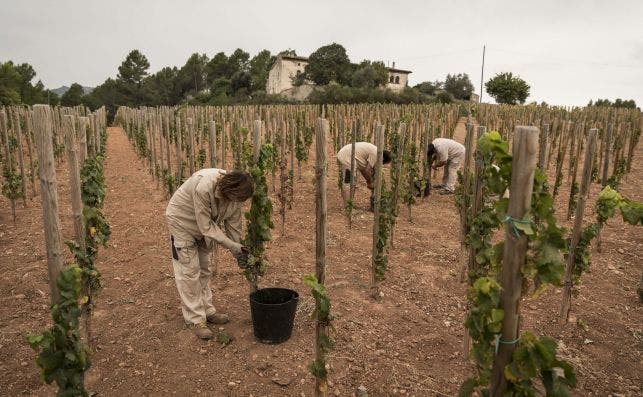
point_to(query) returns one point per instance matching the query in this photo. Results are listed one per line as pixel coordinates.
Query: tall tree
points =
(329, 63)
(238, 61)
(459, 86)
(111, 94)
(134, 68)
(429, 88)
(10, 81)
(27, 91)
(72, 97)
(191, 78)
(217, 68)
(507, 88)
(370, 75)
(260, 66)
(241, 83)
(16, 86)
(160, 88)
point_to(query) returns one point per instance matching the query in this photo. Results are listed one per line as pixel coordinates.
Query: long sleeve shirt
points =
(365, 155)
(447, 149)
(197, 209)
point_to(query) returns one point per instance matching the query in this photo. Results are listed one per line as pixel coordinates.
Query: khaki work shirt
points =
(448, 149)
(197, 209)
(365, 155)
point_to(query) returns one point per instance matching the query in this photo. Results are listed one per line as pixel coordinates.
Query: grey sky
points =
(568, 51)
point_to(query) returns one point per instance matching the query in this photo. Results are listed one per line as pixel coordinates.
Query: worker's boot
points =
(201, 331)
(218, 318)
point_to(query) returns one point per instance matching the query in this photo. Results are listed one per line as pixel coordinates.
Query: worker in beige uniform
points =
(365, 159)
(450, 154)
(204, 211)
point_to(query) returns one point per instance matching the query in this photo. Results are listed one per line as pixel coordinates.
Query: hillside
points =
(61, 90)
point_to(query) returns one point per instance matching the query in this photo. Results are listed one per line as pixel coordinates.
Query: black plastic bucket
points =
(273, 313)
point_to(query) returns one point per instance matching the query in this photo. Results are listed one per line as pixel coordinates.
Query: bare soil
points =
(409, 343)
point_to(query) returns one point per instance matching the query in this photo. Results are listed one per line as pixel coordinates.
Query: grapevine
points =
(385, 219)
(63, 357)
(324, 317)
(534, 357)
(259, 217)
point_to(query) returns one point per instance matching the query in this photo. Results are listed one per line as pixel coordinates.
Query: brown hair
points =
(236, 186)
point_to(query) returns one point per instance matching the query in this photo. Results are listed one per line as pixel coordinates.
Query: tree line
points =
(238, 78)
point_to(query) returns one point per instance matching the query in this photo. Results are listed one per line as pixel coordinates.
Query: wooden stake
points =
(525, 156)
(213, 144)
(476, 206)
(606, 154)
(49, 195)
(544, 148)
(256, 141)
(578, 224)
(321, 331)
(82, 140)
(466, 200)
(18, 133)
(401, 130)
(7, 155)
(377, 192)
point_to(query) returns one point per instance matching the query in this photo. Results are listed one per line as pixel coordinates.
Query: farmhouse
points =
(286, 68)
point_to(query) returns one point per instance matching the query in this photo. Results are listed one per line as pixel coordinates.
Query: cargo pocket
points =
(347, 176)
(186, 250)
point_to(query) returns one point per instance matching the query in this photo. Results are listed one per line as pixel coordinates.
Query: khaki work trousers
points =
(451, 173)
(192, 275)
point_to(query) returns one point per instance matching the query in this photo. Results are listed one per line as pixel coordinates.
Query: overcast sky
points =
(568, 51)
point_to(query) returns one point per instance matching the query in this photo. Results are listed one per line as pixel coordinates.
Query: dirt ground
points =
(409, 343)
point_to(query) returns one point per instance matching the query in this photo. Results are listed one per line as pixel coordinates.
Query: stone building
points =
(286, 68)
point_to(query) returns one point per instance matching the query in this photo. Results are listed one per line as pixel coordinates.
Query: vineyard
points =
(528, 281)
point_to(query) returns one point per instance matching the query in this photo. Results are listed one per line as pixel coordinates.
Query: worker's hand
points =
(235, 248)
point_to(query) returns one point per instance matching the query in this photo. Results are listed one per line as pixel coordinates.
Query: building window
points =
(390, 80)
(397, 79)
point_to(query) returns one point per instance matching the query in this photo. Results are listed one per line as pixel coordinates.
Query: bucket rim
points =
(294, 296)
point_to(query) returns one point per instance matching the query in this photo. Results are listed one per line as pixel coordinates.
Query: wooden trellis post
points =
(49, 195)
(606, 154)
(395, 194)
(74, 180)
(213, 144)
(544, 148)
(18, 132)
(179, 152)
(466, 200)
(321, 328)
(525, 156)
(377, 193)
(7, 155)
(351, 194)
(29, 136)
(190, 144)
(476, 206)
(82, 140)
(578, 224)
(256, 141)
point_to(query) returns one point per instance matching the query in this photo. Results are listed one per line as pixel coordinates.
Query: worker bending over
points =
(204, 211)
(448, 153)
(365, 159)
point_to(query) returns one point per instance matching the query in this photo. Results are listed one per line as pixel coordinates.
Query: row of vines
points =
(501, 189)
(42, 139)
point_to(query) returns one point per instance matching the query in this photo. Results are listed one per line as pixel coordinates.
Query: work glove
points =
(242, 258)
